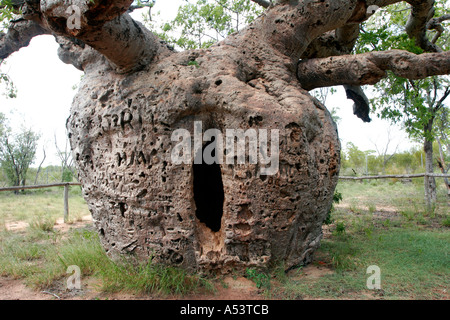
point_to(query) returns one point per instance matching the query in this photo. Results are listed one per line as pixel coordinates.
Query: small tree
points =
(201, 23)
(67, 170)
(414, 103)
(382, 150)
(358, 160)
(6, 14)
(17, 153)
(9, 89)
(2, 124)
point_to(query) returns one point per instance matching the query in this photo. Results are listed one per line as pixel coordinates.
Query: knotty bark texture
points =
(136, 92)
(144, 204)
(369, 68)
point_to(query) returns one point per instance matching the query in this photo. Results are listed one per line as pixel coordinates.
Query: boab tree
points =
(137, 92)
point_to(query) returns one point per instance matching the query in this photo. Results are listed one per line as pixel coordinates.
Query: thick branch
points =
(361, 107)
(416, 27)
(435, 24)
(369, 68)
(337, 43)
(341, 42)
(263, 3)
(19, 35)
(290, 26)
(127, 44)
(77, 53)
(441, 18)
(106, 27)
(333, 43)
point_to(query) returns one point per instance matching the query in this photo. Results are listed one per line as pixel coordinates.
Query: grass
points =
(413, 266)
(85, 251)
(261, 279)
(42, 259)
(41, 255)
(376, 223)
(383, 224)
(41, 207)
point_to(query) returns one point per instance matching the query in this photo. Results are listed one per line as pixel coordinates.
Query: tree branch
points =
(441, 101)
(340, 42)
(416, 27)
(440, 19)
(19, 35)
(106, 27)
(336, 43)
(369, 68)
(127, 44)
(361, 107)
(263, 3)
(40, 166)
(75, 52)
(333, 43)
(435, 24)
(103, 25)
(290, 26)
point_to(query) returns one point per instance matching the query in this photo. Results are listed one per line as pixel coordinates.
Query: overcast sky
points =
(45, 93)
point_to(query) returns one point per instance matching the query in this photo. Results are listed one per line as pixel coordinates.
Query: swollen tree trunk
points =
(139, 98)
(222, 216)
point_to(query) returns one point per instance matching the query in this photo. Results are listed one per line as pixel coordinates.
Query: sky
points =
(46, 89)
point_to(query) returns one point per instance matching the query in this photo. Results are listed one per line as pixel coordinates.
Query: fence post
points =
(66, 203)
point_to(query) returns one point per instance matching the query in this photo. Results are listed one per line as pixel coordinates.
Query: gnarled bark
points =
(19, 35)
(106, 27)
(263, 3)
(369, 68)
(416, 27)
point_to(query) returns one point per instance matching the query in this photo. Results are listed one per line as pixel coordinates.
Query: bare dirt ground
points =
(11, 289)
(59, 225)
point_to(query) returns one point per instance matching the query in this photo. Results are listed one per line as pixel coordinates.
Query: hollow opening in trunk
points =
(208, 191)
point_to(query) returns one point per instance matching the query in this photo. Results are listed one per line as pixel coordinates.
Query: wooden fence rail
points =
(406, 176)
(398, 176)
(66, 186)
(40, 186)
